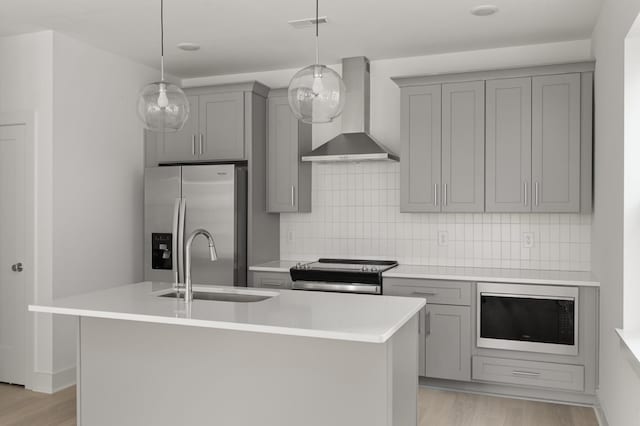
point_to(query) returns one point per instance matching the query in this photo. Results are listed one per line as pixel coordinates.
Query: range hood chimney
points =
(354, 143)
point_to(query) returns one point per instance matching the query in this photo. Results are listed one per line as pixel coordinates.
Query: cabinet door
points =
(463, 147)
(222, 126)
(283, 157)
(448, 342)
(421, 140)
(508, 127)
(181, 145)
(556, 143)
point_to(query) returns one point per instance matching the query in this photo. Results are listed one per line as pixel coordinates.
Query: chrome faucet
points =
(188, 287)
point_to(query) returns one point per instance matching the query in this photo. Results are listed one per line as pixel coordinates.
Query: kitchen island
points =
(292, 358)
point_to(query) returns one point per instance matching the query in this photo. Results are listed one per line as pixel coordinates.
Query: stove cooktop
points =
(342, 271)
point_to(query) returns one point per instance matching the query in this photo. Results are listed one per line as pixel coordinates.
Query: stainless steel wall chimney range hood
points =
(354, 143)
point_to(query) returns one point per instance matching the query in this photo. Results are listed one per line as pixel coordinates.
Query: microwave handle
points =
(527, 296)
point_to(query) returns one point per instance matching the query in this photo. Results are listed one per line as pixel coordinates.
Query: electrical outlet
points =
(443, 238)
(528, 239)
(290, 235)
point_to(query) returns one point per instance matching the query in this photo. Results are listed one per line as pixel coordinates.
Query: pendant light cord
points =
(161, 40)
(317, 35)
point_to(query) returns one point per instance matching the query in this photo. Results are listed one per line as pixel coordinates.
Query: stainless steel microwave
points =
(531, 318)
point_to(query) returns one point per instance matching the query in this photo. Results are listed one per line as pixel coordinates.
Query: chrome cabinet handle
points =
(174, 239)
(524, 373)
(293, 195)
(444, 196)
(526, 200)
(17, 267)
(201, 144)
(193, 145)
(427, 324)
(537, 192)
(419, 293)
(435, 194)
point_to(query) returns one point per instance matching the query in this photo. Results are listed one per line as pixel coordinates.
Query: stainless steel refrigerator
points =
(181, 199)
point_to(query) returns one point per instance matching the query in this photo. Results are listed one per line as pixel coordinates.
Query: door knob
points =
(17, 267)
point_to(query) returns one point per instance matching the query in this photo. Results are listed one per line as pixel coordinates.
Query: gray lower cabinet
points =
(421, 144)
(555, 153)
(529, 373)
(288, 178)
(463, 147)
(445, 325)
(448, 342)
(508, 129)
(274, 280)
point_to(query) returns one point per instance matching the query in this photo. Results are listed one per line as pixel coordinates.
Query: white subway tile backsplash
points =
(356, 213)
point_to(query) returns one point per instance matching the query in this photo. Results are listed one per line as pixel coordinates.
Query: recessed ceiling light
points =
(188, 47)
(484, 10)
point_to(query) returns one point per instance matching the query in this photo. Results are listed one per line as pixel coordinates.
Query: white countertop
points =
(276, 266)
(351, 317)
(518, 276)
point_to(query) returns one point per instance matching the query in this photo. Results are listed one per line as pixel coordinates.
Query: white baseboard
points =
(52, 382)
(602, 419)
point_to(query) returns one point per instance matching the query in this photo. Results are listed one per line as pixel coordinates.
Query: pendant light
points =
(163, 106)
(316, 93)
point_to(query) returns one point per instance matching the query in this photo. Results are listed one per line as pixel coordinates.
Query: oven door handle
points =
(336, 287)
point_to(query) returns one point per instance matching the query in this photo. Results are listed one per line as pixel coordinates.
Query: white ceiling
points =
(253, 35)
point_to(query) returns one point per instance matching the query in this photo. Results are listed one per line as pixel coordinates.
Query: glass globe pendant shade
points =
(316, 94)
(163, 107)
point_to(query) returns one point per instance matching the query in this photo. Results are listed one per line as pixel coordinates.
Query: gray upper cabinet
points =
(555, 162)
(515, 140)
(217, 128)
(421, 136)
(288, 179)
(181, 145)
(463, 147)
(221, 126)
(508, 145)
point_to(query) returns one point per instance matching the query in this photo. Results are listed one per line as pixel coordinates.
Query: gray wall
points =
(98, 167)
(619, 384)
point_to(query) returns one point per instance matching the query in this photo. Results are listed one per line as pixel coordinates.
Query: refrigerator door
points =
(162, 191)
(210, 195)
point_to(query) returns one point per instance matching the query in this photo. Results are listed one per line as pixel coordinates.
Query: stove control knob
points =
(374, 269)
(364, 268)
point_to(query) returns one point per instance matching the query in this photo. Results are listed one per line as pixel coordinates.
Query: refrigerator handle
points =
(174, 241)
(181, 222)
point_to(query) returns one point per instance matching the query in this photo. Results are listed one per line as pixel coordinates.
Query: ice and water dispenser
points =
(161, 251)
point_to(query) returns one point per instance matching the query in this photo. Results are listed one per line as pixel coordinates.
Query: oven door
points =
(527, 318)
(337, 287)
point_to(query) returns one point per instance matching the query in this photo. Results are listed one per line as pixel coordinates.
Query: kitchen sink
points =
(220, 296)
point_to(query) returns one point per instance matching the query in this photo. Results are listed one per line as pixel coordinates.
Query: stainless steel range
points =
(341, 275)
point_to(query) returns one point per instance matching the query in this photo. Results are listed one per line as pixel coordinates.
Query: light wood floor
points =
(443, 408)
(19, 407)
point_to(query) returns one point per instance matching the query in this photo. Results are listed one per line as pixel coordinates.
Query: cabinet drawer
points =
(279, 280)
(529, 373)
(436, 292)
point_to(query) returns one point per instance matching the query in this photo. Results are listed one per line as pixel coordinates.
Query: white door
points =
(13, 309)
